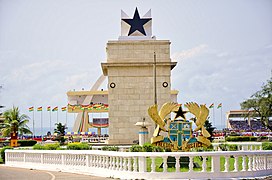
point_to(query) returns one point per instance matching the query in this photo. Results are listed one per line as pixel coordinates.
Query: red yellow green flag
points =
(55, 108)
(211, 106)
(219, 106)
(48, 108)
(39, 108)
(31, 109)
(63, 108)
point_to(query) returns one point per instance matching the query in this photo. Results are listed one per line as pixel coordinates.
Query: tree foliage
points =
(14, 122)
(209, 128)
(261, 104)
(60, 130)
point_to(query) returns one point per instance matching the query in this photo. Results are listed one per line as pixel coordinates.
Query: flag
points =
(39, 108)
(63, 108)
(31, 109)
(48, 108)
(219, 106)
(211, 106)
(55, 108)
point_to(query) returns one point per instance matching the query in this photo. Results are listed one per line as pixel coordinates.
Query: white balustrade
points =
(138, 165)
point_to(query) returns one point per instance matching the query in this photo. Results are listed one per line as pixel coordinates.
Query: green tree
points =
(209, 128)
(261, 104)
(60, 130)
(14, 122)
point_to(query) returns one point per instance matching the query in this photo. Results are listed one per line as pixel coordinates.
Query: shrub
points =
(110, 148)
(232, 147)
(38, 147)
(147, 147)
(267, 146)
(157, 149)
(78, 146)
(241, 138)
(52, 146)
(3, 152)
(27, 142)
(136, 148)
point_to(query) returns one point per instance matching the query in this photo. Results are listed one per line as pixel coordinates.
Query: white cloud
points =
(189, 53)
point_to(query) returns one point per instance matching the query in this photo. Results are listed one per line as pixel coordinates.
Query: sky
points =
(48, 47)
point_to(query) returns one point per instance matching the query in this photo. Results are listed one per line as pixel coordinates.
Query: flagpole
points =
(222, 118)
(50, 120)
(57, 116)
(66, 117)
(155, 80)
(213, 118)
(41, 125)
(33, 126)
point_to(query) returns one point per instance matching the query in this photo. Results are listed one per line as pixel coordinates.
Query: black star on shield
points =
(136, 23)
(180, 113)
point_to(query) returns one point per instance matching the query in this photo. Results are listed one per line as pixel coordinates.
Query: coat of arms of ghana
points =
(180, 134)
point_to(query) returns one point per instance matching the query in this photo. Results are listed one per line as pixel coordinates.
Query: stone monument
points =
(139, 73)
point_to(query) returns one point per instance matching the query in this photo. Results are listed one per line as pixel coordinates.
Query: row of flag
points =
(48, 108)
(218, 106)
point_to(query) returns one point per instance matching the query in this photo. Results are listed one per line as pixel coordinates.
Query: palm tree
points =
(60, 130)
(14, 122)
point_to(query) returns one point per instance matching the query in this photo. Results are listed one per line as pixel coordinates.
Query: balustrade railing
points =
(145, 165)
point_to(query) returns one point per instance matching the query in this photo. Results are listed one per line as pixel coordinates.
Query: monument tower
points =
(139, 73)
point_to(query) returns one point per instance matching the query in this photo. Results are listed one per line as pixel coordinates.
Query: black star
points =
(136, 23)
(180, 113)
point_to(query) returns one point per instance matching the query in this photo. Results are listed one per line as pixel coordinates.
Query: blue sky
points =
(223, 48)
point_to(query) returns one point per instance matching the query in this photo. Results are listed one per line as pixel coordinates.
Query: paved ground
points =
(11, 173)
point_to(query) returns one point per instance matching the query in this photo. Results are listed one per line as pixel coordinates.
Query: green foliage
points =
(136, 148)
(52, 146)
(157, 149)
(2, 152)
(27, 142)
(60, 130)
(110, 148)
(232, 147)
(209, 128)
(14, 122)
(78, 146)
(267, 146)
(261, 103)
(241, 138)
(147, 147)
(46, 146)
(38, 147)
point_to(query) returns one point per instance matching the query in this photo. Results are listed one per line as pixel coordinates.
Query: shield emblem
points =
(180, 132)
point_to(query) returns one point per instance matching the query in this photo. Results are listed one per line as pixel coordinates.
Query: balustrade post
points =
(204, 164)
(236, 163)
(191, 163)
(117, 163)
(62, 159)
(177, 164)
(129, 163)
(265, 162)
(142, 164)
(87, 160)
(121, 164)
(215, 163)
(135, 164)
(107, 162)
(153, 166)
(164, 163)
(244, 163)
(24, 157)
(41, 158)
(125, 164)
(250, 163)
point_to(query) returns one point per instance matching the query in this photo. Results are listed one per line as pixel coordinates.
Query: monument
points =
(138, 69)
(131, 63)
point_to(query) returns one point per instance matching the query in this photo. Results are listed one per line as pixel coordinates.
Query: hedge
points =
(3, 152)
(46, 146)
(27, 142)
(147, 147)
(267, 146)
(110, 148)
(78, 146)
(241, 138)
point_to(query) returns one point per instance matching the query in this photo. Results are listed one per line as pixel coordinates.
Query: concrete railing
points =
(241, 146)
(145, 165)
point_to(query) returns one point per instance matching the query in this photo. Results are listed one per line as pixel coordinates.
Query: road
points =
(11, 173)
